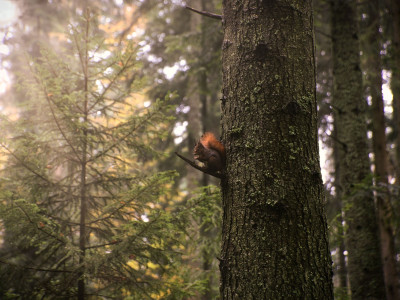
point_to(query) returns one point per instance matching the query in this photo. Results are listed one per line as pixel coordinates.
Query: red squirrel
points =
(211, 152)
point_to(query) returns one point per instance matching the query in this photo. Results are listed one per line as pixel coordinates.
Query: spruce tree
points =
(80, 203)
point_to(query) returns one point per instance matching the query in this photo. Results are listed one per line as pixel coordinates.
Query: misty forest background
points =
(96, 96)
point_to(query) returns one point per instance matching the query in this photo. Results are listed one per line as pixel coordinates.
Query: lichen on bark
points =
(274, 227)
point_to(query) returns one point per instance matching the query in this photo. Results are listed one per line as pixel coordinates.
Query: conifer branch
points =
(38, 227)
(110, 214)
(103, 245)
(205, 13)
(119, 140)
(49, 101)
(26, 166)
(112, 81)
(35, 269)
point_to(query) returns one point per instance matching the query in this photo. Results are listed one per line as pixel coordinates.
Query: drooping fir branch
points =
(50, 101)
(122, 138)
(21, 161)
(38, 227)
(124, 67)
(110, 214)
(49, 98)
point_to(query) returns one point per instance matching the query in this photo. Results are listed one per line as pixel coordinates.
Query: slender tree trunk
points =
(203, 89)
(83, 192)
(362, 236)
(202, 79)
(274, 235)
(342, 264)
(194, 177)
(338, 155)
(374, 75)
(199, 116)
(395, 85)
(82, 226)
(395, 80)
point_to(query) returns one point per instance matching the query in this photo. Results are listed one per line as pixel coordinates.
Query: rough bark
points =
(274, 227)
(374, 77)
(362, 238)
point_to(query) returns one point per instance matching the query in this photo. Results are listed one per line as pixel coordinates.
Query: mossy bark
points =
(362, 238)
(274, 227)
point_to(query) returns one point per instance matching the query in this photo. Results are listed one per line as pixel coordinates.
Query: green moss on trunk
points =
(274, 228)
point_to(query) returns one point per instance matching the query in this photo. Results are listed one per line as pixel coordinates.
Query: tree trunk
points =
(83, 192)
(374, 75)
(338, 156)
(274, 231)
(362, 238)
(395, 79)
(199, 122)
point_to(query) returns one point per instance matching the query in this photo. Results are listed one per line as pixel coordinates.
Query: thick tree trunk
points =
(362, 238)
(274, 227)
(374, 75)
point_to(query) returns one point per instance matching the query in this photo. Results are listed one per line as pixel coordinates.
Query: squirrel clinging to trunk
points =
(211, 152)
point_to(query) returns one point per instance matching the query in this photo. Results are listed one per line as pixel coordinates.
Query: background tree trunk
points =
(274, 227)
(374, 82)
(362, 239)
(83, 234)
(394, 8)
(338, 156)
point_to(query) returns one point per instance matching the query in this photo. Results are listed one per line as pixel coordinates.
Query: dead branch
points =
(202, 169)
(205, 13)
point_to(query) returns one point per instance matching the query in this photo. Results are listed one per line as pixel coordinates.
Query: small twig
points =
(103, 245)
(202, 169)
(323, 33)
(205, 13)
(335, 139)
(37, 227)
